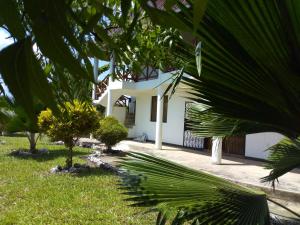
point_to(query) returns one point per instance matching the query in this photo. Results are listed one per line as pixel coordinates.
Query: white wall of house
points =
(172, 129)
(119, 113)
(256, 144)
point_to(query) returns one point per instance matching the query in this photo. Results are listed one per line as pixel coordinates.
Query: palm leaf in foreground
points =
(284, 157)
(203, 121)
(181, 194)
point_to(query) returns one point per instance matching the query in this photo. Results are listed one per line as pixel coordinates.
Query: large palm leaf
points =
(249, 58)
(249, 83)
(186, 195)
(249, 64)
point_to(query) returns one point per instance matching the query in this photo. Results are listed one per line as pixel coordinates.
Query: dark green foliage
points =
(11, 17)
(185, 195)
(284, 157)
(110, 132)
(26, 79)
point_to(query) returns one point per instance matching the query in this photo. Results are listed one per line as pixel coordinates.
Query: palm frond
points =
(284, 157)
(276, 220)
(203, 121)
(183, 195)
(249, 69)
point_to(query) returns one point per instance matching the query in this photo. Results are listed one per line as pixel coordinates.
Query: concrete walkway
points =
(239, 170)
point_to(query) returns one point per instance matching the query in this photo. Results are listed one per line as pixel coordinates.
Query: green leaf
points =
(166, 18)
(182, 195)
(10, 16)
(96, 51)
(103, 34)
(24, 76)
(13, 67)
(199, 7)
(54, 36)
(283, 157)
(125, 6)
(93, 21)
(169, 4)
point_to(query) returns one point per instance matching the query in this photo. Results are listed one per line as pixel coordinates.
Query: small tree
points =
(110, 132)
(16, 120)
(19, 122)
(76, 119)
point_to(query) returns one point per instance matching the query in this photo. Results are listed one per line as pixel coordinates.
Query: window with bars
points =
(154, 109)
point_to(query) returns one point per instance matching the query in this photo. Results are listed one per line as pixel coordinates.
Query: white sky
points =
(4, 40)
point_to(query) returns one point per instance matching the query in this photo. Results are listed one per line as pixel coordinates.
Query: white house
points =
(138, 103)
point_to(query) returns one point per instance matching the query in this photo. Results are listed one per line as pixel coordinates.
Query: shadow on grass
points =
(53, 154)
(95, 171)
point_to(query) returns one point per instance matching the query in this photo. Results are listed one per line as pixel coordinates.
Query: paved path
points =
(245, 171)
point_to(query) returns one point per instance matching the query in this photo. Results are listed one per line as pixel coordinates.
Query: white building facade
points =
(140, 106)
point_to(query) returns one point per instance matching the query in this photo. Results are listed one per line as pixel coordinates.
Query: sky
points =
(4, 41)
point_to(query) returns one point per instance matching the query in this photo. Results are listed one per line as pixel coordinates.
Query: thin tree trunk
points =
(32, 142)
(109, 149)
(69, 161)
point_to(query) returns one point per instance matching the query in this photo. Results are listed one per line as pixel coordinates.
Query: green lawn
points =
(29, 194)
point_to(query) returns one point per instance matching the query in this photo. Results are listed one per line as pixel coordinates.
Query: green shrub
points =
(110, 132)
(75, 120)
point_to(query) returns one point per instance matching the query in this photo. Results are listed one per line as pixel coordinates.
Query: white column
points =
(159, 118)
(95, 72)
(216, 152)
(96, 66)
(109, 106)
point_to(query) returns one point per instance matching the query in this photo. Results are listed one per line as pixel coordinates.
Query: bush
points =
(76, 119)
(110, 132)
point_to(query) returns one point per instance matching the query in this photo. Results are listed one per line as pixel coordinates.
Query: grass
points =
(29, 194)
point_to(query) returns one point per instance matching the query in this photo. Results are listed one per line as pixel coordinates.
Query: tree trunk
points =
(32, 142)
(109, 149)
(69, 161)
